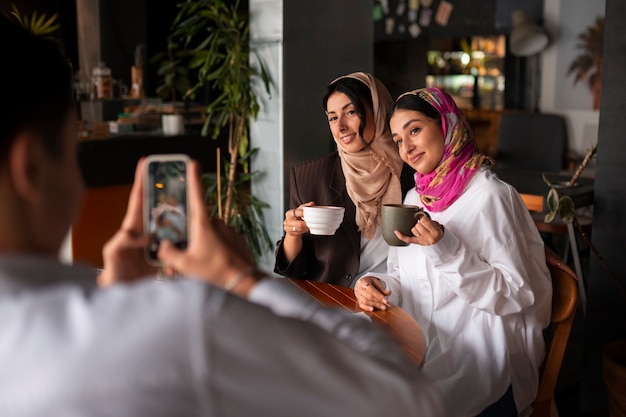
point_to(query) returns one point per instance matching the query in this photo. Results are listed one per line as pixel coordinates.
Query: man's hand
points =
(216, 253)
(123, 254)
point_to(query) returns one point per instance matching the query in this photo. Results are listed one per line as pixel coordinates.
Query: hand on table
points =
(371, 294)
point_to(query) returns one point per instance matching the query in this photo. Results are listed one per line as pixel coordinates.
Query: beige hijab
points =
(373, 173)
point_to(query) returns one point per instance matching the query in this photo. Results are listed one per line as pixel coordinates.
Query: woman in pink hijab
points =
(474, 274)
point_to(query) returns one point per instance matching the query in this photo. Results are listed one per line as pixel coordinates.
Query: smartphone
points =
(165, 202)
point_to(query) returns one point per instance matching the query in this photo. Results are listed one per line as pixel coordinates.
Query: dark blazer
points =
(333, 259)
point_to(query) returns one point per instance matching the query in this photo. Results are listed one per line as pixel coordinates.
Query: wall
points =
(266, 132)
(108, 31)
(582, 124)
(606, 307)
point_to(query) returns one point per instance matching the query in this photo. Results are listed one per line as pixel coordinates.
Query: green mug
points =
(401, 217)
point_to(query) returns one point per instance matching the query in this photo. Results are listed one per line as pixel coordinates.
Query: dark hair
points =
(416, 103)
(359, 94)
(36, 88)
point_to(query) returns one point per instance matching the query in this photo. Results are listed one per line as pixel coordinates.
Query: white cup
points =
(172, 124)
(323, 220)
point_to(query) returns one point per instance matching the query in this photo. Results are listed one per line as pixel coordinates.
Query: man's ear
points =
(25, 159)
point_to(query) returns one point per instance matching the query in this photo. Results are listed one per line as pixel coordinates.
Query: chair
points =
(558, 226)
(533, 141)
(564, 301)
(538, 142)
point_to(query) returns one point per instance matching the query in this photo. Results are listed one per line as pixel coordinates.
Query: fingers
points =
(170, 255)
(371, 294)
(197, 215)
(213, 256)
(426, 232)
(124, 259)
(294, 225)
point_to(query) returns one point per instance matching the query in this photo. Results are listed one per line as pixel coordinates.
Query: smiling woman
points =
(479, 288)
(351, 123)
(418, 136)
(364, 173)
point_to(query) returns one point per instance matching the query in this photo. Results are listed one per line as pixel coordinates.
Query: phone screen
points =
(166, 194)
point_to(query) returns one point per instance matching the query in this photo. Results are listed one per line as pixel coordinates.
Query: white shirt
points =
(188, 349)
(482, 295)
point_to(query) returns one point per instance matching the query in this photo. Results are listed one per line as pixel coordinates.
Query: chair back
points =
(564, 301)
(534, 141)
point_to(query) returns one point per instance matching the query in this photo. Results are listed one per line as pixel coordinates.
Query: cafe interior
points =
(512, 66)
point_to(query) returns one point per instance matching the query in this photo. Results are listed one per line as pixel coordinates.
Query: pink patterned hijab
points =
(461, 158)
(373, 173)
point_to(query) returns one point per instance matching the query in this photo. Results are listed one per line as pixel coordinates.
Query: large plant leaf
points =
(566, 208)
(552, 200)
(38, 24)
(549, 216)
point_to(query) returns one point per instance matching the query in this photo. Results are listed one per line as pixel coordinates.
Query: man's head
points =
(40, 182)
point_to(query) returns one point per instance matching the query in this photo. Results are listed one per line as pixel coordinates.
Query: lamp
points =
(527, 38)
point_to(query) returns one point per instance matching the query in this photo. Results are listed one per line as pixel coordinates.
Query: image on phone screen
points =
(167, 204)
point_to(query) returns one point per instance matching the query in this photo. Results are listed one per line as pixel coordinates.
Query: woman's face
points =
(344, 123)
(420, 139)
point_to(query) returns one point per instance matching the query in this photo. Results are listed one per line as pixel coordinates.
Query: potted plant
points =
(614, 355)
(172, 72)
(175, 84)
(211, 38)
(39, 24)
(589, 63)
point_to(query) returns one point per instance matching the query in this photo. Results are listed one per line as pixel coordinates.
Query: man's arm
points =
(359, 333)
(297, 357)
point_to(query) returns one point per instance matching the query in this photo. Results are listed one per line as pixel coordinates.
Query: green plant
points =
(172, 72)
(39, 24)
(563, 206)
(248, 210)
(213, 41)
(589, 63)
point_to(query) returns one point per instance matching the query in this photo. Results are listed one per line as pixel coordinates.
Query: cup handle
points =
(420, 214)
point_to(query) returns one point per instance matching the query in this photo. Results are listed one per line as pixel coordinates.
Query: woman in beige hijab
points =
(365, 173)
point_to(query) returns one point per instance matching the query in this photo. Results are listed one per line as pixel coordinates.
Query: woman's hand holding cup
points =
(426, 232)
(403, 224)
(293, 224)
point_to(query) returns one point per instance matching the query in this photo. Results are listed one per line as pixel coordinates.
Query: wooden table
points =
(402, 327)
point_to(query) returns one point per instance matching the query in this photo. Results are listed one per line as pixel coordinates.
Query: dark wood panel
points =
(112, 161)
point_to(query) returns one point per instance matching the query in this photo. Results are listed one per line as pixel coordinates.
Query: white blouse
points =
(482, 295)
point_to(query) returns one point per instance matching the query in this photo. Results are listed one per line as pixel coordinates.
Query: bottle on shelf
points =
(102, 82)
